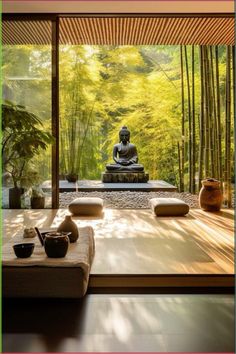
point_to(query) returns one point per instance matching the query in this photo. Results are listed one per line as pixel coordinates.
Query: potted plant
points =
(23, 138)
(31, 182)
(37, 200)
(72, 177)
(22, 178)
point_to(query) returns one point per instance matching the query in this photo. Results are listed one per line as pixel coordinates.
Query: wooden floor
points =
(134, 247)
(121, 323)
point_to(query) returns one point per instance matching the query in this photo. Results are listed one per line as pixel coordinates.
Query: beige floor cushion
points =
(169, 206)
(86, 206)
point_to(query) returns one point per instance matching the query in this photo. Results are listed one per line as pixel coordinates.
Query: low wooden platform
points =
(89, 186)
(135, 249)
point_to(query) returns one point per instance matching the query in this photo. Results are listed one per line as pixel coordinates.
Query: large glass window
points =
(177, 101)
(26, 70)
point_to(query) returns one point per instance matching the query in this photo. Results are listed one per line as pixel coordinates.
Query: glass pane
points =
(26, 70)
(80, 119)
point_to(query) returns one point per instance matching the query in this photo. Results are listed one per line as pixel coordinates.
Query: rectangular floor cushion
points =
(169, 206)
(86, 206)
(41, 277)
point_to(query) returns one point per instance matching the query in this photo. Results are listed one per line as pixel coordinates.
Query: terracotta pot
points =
(37, 202)
(15, 197)
(68, 225)
(210, 196)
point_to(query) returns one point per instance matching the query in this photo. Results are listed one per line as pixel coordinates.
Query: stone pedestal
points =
(125, 177)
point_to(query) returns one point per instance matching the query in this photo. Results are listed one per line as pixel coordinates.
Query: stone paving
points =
(128, 199)
(114, 199)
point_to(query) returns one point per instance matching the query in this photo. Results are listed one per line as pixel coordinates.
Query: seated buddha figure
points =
(125, 155)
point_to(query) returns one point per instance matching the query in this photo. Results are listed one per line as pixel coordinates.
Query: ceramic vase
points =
(210, 196)
(68, 225)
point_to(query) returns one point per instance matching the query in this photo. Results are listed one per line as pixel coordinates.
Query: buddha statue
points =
(125, 155)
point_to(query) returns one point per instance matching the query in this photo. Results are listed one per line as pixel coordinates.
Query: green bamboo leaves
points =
(177, 104)
(208, 143)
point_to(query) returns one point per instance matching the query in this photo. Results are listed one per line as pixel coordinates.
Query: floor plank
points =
(121, 323)
(137, 242)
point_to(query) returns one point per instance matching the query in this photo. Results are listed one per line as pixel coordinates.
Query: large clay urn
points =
(210, 196)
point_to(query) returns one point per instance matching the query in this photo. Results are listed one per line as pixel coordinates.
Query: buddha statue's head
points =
(124, 135)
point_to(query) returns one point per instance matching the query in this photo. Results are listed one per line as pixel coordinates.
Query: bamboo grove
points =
(177, 101)
(206, 148)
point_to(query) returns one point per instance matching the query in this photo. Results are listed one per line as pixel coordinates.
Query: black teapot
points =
(56, 244)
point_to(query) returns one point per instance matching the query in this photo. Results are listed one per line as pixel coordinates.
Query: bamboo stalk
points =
(180, 171)
(227, 164)
(215, 130)
(182, 121)
(189, 121)
(193, 127)
(233, 75)
(218, 114)
(201, 120)
(62, 148)
(206, 125)
(233, 98)
(234, 112)
(210, 107)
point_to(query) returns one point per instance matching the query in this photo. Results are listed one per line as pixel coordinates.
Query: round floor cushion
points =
(169, 206)
(86, 206)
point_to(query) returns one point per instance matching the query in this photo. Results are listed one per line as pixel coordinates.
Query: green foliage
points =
(105, 87)
(23, 138)
(37, 192)
(101, 89)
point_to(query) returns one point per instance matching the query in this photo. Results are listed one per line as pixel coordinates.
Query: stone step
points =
(95, 185)
(125, 177)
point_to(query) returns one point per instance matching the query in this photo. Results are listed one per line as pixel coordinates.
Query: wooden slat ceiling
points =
(125, 31)
(26, 32)
(147, 31)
